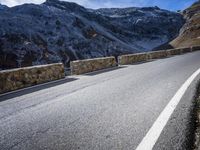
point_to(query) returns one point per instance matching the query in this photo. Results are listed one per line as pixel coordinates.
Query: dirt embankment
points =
(190, 32)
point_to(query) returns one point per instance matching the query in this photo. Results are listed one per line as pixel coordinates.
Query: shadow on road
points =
(143, 62)
(104, 71)
(32, 89)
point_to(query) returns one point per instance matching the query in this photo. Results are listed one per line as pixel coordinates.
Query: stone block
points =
(14, 79)
(89, 65)
(156, 54)
(132, 58)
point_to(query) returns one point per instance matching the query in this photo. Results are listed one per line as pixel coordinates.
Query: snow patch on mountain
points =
(57, 31)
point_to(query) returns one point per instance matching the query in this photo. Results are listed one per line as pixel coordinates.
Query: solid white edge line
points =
(153, 134)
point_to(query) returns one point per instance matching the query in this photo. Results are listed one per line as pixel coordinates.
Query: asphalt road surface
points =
(110, 109)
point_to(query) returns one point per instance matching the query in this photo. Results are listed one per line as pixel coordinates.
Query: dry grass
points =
(190, 35)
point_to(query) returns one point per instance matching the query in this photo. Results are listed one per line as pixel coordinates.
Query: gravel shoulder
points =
(197, 120)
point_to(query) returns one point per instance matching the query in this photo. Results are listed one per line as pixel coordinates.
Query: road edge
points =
(197, 118)
(155, 131)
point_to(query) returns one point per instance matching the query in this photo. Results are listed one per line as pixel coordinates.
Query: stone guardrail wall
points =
(171, 52)
(141, 57)
(156, 55)
(14, 79)
(132, 58)
(89, 65)
(23, 77)
(195, 48)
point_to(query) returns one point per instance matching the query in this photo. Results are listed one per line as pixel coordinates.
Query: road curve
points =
(111, 109)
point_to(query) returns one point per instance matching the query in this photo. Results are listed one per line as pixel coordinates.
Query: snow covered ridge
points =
(3, 7)
(57, 31)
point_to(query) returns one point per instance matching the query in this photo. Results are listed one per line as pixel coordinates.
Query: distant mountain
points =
(58, 31)
(3, 7)
(190, 33)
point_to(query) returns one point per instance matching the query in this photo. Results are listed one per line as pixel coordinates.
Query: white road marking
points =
(153, 134)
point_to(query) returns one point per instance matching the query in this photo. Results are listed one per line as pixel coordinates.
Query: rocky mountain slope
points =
(190, 33)
(58, 31)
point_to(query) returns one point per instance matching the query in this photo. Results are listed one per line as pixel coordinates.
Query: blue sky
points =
(165, 4)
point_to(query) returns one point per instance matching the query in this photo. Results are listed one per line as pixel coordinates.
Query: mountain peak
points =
(3, 7)
(64, 31)
(67, 6)
(52, 1)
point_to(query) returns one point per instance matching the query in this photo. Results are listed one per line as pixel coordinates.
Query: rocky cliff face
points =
(190, 32)
(58, 31)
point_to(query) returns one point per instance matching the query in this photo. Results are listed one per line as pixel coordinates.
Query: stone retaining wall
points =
(23, 77)
(172, 52)
(134, 58)
(186, 50)
(89, 65)
(195, 48)
(156, 55)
